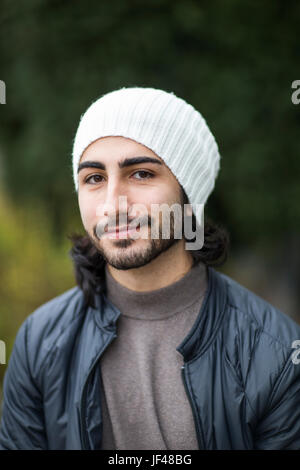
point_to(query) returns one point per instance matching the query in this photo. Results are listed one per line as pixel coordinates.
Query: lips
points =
(118, 229)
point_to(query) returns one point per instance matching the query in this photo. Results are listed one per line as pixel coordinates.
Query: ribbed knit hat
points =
(164, 123)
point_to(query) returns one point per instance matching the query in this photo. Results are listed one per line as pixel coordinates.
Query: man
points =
(154, 349)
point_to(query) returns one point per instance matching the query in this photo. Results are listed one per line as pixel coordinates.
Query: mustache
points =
(102, 228)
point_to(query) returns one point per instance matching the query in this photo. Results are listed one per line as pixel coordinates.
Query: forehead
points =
(116, 148)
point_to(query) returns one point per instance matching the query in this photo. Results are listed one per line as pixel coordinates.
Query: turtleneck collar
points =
(158, 303)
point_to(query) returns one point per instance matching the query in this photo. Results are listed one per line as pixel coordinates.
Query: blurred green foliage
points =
(33, 267)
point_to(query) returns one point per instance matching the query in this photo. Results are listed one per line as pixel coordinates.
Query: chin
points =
(115, 247)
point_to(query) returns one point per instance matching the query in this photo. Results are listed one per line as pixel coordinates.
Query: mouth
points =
(117, 231)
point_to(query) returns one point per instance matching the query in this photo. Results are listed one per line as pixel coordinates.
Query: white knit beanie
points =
(164, 123)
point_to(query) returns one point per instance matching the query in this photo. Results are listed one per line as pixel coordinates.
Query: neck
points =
(165, 269)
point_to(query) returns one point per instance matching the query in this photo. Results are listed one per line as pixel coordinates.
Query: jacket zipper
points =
(196, 420)
(84, 440)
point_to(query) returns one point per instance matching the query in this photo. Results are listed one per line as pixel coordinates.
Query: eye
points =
(97, 179)
(143, 172)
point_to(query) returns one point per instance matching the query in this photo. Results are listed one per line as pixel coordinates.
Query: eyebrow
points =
(122, 164)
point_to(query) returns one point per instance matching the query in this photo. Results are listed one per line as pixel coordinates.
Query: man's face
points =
(107, 170)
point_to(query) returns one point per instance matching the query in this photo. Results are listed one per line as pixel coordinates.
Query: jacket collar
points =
(209, 319)
(202, 332)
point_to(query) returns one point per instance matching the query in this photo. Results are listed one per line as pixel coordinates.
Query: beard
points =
(122, 257)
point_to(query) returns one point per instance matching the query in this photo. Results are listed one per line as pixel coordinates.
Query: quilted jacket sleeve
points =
(279, 428)
(22, 424)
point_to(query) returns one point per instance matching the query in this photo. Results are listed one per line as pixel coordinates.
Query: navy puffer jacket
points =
(241, 373)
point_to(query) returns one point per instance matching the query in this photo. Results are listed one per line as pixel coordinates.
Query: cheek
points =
(164, 194)
(87, 211)
(158, 195)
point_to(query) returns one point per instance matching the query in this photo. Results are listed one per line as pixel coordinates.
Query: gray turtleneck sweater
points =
(144, 402)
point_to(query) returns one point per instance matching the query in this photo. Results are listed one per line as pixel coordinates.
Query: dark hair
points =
(89, 264)
(215, 249)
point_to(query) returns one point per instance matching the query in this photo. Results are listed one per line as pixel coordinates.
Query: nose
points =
(114, 201)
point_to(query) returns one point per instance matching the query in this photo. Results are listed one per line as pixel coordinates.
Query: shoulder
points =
(259, 337)
(58, 311)
(55, 321)
(249, 309)
(260, 347)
